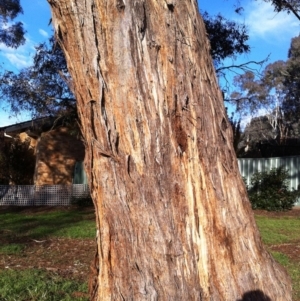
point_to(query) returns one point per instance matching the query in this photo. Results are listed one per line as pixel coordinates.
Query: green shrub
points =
(269, 190)
(83, 201)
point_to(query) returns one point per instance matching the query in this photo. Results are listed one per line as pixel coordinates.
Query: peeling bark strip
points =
(173, 218)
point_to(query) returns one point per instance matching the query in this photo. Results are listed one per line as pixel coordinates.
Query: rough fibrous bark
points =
(173, 218)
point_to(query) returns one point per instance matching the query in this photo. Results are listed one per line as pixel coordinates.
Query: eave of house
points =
(25, 126)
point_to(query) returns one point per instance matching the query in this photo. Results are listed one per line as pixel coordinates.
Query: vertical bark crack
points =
(103, 111)
(120, 5)
(93, 279)
(171, 7)
(140, 12)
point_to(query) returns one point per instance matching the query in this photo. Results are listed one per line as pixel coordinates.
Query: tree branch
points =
(243, 66)
(290, 7)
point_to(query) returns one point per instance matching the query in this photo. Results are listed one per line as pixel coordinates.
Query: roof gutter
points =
(5, 135)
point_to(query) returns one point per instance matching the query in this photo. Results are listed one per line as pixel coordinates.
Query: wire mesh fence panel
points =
(80, 191)
(47, 195)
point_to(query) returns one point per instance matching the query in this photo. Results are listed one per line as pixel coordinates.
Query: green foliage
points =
(44, 87)
(290, 6)
(82, 202)
(37, 285)
(276, 90)
(291, 81)
(227, 38)
(17, 162)
(236, 131)
(269, 190)
(11, 34)
(259, 91)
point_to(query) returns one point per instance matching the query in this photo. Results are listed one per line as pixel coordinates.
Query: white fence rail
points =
(47, 195)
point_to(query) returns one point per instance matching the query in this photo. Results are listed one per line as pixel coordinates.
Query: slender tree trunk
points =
(173, 218)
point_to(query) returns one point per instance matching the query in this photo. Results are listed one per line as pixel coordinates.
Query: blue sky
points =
(270, 34)
(35, 19)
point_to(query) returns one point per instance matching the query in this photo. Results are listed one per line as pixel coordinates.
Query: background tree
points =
(43, 88)
(173, 218)
(236, 131)
(274, 99)
(260, 94)
(227, 38)
(17, 162)
(290, 6)
(269, 190)
(291, 81)
(11, 34)
(275, 94)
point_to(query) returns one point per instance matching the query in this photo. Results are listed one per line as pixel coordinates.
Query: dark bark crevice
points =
(171, 7)
(120, 5)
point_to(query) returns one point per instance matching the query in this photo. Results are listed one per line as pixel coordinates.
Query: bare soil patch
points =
(70, 258)
(292, 250)
(295, 212)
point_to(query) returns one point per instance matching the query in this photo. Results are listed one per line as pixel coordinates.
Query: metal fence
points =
(63, 195)
(248, 166)
(46, 195)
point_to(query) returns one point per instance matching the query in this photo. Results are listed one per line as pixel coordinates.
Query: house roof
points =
(26, 125)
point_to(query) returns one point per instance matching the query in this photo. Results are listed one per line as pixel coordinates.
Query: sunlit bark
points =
(173, 218)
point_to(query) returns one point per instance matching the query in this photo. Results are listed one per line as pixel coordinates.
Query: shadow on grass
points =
(22, 224)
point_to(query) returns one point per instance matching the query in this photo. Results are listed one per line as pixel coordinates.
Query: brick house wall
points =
(56, 154)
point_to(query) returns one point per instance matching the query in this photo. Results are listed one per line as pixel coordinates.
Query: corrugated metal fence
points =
(47, 195)
(63, 195)
(248, 166)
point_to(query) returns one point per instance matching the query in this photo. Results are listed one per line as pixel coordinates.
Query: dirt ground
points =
(72, 258)
(292, 250)
(294, 213)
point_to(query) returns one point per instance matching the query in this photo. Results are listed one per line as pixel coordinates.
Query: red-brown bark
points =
(173, 217)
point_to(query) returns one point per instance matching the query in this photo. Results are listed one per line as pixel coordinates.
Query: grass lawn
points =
(281, 235)
(64, 223)
(38, 285)
(45, 253)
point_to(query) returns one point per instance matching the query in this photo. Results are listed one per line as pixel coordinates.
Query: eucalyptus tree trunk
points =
(173, 217)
